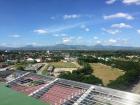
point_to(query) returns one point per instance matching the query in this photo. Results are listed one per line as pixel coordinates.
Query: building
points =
(56, 91)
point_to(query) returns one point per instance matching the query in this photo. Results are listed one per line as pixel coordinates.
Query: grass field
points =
(106, 73)
(63, 65)
(10, 97)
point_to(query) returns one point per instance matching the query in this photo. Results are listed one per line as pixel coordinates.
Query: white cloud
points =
(79, 38)
(15, 36)
(72, 40)
(110, 1)
(127, 2)
(87, 29)
(59, 28)
(41, 31)
(112, 41)
(119, 15)
(137, 2)
(66, 40)
(121, 25)
(95, 38)
(98, 42)
(138, 31)
(111, 31)
(72, 16)
(34, 44)
(116, 42)
(60, 35)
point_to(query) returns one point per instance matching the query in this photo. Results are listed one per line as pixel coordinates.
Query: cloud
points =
(41, 31)
(121, 25)
(95, 38)
(127, 2)
(60, 35)
(79, 38)
(119, 15)
(110, 1)
(111, 31)
(138, 31)
(15, 36)
(85, 28)
(72, 40)
(98, 42)
(112, 41)
(59, 28)
(67, 40)
(116, 42)
(136, 2)
(72, 16)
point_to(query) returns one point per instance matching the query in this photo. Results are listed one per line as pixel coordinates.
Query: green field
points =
(10, 97)
(63, 65)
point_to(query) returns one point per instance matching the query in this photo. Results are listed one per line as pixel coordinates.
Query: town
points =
(107, 67)
(112, 69)
(69, 52)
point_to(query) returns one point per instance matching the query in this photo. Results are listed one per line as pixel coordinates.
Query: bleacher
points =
(61, 94)
(56, 91)
(28, 83)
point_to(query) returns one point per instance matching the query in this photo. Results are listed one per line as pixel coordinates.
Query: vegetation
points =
(128, 61)
(82, 75)
(106, 73)
(131, 76)
(63, 64)
(45, 71)
(131, 68)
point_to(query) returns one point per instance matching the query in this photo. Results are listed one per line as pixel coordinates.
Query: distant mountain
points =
(71, 47)
(5, 48)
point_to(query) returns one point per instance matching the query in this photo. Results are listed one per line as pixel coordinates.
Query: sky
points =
(72, 22)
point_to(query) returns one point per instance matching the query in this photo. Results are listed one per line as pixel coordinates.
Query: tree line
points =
(82, 75)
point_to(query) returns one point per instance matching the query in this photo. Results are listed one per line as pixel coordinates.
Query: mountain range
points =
(71, 47)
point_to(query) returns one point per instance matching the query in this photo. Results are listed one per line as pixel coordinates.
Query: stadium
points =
(56, 91)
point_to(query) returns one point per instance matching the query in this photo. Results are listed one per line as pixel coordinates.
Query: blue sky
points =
(82, 22)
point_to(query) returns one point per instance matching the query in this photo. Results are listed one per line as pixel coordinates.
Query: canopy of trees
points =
(82, 75)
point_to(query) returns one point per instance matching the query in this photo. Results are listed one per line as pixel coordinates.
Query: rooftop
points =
(10, 97)
(56, 91)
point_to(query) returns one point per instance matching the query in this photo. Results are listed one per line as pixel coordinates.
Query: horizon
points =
(67, 45)
(69, 22)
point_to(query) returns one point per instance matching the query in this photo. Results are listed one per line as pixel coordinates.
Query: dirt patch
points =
(106, 73)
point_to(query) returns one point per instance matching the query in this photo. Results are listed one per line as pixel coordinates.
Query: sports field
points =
(63, 65)
(10, 97)
(106, 73)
